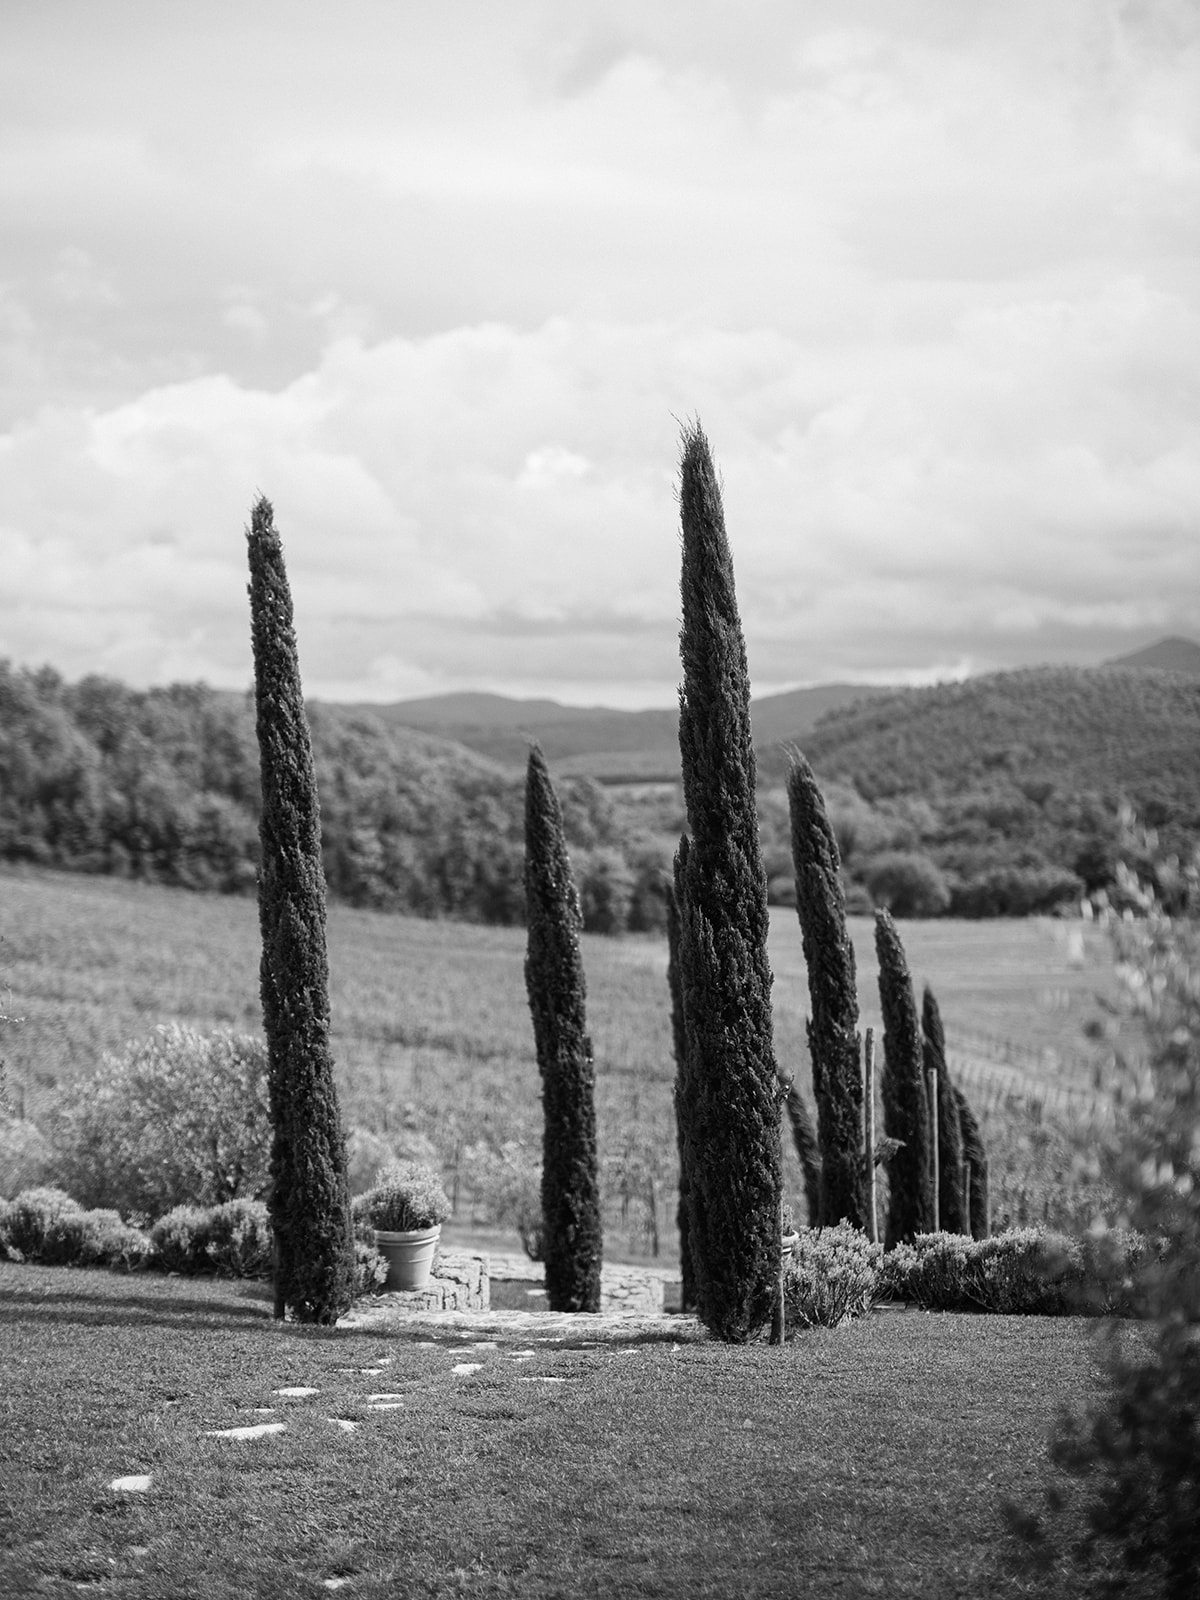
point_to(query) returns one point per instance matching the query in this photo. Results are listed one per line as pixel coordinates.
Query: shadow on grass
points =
(68, 1305)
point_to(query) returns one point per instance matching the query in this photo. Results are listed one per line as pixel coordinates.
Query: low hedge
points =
(231, 1240)
(1024, 1272)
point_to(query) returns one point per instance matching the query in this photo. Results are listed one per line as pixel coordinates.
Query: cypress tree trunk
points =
(572, 1246)
(905, 1102)
(687, 1277)
(974, 1156)
(833, 1038)
(729, 1092)
(953, 1213)
(805, 1140)
(310, 1208)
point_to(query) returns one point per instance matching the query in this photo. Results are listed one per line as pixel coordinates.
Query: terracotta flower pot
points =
(409, 1256)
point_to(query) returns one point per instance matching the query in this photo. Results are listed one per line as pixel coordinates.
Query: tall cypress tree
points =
(833, 1039)
(729, 1092)
(975, 1157)
(572, 1247)
(687, 1277)
(953, 1211)
(309, 1203)
(905, 1102)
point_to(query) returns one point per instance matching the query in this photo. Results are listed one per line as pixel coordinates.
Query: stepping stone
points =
(136, 1483)
(377, 1401)
(464, 1369)
(335, 1583)
(543, 1380)
(258, 1431)
(346, 1425)
(297, 1393)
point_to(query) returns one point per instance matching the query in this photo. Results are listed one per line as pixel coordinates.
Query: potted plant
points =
(406, 1207)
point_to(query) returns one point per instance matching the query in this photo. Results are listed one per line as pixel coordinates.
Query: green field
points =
(870, 1460)
(431, 1027)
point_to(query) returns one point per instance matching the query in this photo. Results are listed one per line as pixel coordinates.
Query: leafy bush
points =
(408, 1196)
(1026, 1272)
(370, 1269)
(1137, 1448)
(48, 1227)
(179, 1118)
(1011, 891)
(830, 1276)
(907, 883)
(233, 1240)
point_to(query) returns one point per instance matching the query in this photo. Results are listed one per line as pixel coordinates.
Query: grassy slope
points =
(431, 1026)
(871, 1460)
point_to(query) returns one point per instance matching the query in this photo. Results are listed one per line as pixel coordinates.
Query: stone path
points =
(387, 1314)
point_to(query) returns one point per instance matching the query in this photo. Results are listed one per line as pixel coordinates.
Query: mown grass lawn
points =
(868, 1461)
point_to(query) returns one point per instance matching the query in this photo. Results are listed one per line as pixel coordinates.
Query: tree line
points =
(163, 785)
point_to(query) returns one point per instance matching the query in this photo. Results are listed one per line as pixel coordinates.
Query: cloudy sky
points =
(442, 280)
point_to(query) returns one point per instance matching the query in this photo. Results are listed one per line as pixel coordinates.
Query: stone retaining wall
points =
(458, 1283)
(622, 1288)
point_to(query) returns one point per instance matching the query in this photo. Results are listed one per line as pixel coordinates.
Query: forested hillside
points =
(163, 785)
(998, 796)
(1002, 794)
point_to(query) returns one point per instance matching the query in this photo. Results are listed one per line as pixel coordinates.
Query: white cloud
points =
(927, 272)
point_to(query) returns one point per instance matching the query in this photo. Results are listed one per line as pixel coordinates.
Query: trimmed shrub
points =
(177, 1241)
(48, 1227)
(1027, 1272)
(831, 1276)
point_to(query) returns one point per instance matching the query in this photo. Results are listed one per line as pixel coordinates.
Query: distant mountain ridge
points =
(597, 741)
(641, 746)
(1168, 655)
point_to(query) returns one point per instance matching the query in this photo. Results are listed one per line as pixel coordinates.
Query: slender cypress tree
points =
(974, 1156)
(902, 1085)
(572, 1247)
(728, 1100)
(687, 1278)
(833, 1038)
(805, 1139)
(309, 1203)
(953, 1211)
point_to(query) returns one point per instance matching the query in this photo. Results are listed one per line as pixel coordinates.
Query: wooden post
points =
(869, 1121)
(933, 1142)
(777, 1314)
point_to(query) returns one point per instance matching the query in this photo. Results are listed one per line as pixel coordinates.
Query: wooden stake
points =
(869, 1120)
(933, 1121)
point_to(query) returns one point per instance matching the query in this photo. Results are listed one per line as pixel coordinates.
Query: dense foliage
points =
(554, 981)
(177, 1118)
(729, 1092)
(162, 785)
(1137, 1449)
(1002, 796)
(834, 1044)
(309, 1195)
(954, 1214)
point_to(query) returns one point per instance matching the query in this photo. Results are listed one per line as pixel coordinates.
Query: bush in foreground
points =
(831, 1276)
(48, 1227)
(177, 1118)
